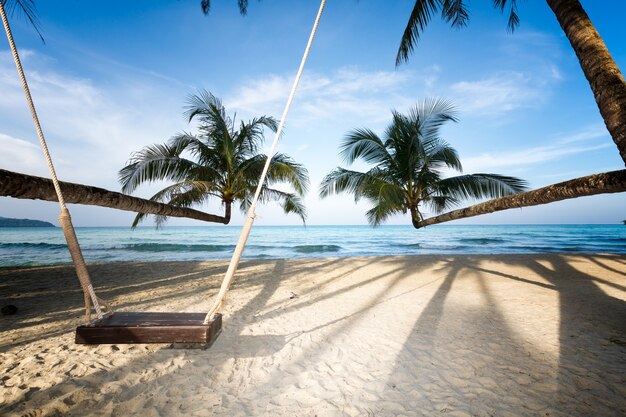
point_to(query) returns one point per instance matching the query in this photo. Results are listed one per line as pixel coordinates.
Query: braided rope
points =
(64, 219)
(245, 232)
(33, 112)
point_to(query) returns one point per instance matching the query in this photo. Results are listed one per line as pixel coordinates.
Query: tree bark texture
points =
(609, 182)
(227, 211)
(13, 184)
(415, 217)
(605, 78)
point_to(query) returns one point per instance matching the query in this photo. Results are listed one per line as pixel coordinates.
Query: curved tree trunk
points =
(13, 184)
(610, 182)
(227, 211)
(605, 78)
(415, 217)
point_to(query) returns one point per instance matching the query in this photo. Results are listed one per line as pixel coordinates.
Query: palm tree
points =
(408, 167)
(222, 161)
(603, 75)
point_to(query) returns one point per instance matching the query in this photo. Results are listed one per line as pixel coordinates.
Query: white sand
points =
(514, 335)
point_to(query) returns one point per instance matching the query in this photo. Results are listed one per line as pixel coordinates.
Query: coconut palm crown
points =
(222, 161)
(409, 166)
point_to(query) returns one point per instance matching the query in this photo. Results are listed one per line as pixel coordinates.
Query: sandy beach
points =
(497, 335)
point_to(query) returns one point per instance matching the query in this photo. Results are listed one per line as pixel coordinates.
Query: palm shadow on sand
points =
(496, 360)
(493, 366)
(72, 395)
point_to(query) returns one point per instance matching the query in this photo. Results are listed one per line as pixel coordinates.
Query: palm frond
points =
(436, 110)
(444, 154)
(250, 135)
(153, 163)
(245, 201)
(138, 219)
(205, 5)
(186, 142)
(421, 14)
(442, 203)
(414, 140)
(455, 11)
(386, 194)
(341, 180)
(376, 184)
(206, 156)
(480, 186)
(282, 169)
(381, 211)
(183, 194)
(363, 144)
(211, 111)
(187, 193)
(290, 202)
(159, 220)
(402, 141)
(422, 124)
(28, 9)
(513, 22)
(160, 196)
(430, 115)
(243, 6)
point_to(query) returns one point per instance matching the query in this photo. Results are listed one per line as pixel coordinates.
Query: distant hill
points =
(6, 222)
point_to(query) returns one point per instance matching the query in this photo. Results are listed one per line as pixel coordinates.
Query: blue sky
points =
(113, 77)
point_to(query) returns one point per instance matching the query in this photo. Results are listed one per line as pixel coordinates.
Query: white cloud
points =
(585, 134)
(563, 147)
(347, 92)
(525, 157)
(526, 68)
(556, 73)
(265, 93)
(500, 93)
(431, 76)
(21, 155)
(91, 128)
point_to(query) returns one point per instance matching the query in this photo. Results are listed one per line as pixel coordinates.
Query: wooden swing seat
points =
(122, 327)
(148, 327)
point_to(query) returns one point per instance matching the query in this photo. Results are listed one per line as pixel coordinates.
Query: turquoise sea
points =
(46, 246)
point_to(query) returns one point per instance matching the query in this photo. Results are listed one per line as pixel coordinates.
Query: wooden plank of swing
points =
(123, 327)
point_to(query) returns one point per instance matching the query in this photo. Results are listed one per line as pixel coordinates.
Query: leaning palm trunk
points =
(605, 78)
(609, 182)
(13, 184)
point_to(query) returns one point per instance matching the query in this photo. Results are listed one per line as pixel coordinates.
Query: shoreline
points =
(320, 258)
(461, 335)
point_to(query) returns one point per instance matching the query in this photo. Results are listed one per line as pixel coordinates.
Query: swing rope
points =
(245, 231)
(65, 219)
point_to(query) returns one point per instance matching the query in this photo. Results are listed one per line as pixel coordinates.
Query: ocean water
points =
(46, 246)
